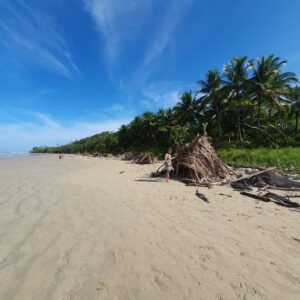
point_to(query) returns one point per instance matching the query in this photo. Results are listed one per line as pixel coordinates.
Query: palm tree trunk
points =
(258, 111)
(170, 137)
(240, 138)
(270, 111)
(219, 125)
(297, 122)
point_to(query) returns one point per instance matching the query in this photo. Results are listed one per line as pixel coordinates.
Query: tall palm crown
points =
(187, 108)
(236, 75)
(211, 83)
(235, 85)
(213, 97)
(269, 85)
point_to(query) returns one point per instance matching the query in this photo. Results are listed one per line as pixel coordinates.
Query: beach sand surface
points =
(79, 229)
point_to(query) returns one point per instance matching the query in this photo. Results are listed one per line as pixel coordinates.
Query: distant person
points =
(59, 155)
(168, 164)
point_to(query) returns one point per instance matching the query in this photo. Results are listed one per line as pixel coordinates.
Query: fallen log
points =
(291, 189)
(235, 165)
(271, 197)
(292, 196)
(241, 186)
(250, 176)
(275, 180)
(257, 197)
(282, 199)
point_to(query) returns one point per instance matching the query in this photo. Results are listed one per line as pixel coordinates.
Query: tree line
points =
(251, 103)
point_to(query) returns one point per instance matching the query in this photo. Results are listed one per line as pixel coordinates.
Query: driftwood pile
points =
(199, 163)
(267, 179)
(146, 158)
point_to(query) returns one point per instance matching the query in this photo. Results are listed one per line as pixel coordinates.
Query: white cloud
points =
(43, 130)
(118, 109)
(34, 38)
(163, 95)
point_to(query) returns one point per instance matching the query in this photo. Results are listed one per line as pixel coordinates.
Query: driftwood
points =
(275, 180)
(264, 179)
(200, 162)
(250, 176)
(229, 196)
(201, 196)
(272, 197)
(234, 165)
(282, 199)
(255, 196)
(292, 196)
(291, 189)
(146, 158)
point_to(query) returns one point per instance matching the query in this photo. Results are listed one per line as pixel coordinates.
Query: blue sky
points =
(73, 68)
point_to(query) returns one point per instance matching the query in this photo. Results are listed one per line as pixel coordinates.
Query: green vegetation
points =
(251, 104)
(286, 159)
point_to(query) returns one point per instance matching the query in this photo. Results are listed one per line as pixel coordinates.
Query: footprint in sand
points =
(160, 284)
(110, 257)
(102, 289)
(162, 279)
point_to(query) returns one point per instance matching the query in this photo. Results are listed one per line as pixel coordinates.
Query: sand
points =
(78, 229)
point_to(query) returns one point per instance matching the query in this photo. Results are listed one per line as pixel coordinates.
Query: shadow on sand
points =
(149, 180)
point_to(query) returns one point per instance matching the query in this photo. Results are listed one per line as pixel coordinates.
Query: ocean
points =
(14, 154)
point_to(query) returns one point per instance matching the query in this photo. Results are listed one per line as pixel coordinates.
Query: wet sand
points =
(78, 229)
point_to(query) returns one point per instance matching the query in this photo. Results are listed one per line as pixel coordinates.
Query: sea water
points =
(14, 154)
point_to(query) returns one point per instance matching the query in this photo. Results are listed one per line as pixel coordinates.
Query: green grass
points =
(286, 159)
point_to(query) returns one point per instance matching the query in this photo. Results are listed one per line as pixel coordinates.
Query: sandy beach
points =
(80, 229)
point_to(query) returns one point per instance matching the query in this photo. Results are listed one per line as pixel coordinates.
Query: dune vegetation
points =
(286, 159)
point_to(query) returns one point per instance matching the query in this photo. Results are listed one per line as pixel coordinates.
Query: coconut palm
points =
(296, 107)
(269, 85)
(212, 96)
(187, 108)
(236, 86)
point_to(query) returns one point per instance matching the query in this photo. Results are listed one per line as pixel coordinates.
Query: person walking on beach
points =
(168, 164)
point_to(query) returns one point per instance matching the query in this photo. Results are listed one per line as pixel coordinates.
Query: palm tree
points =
(269, 85)
(212, 96)
(296, 107)
(235, 84)
(187, 108)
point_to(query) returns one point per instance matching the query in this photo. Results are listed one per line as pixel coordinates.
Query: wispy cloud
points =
(113, 111)
(118, 110)
(162, 95)
(118, 21)
(42, 129)
(122, 21)
(175, 13)
(34, 38)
